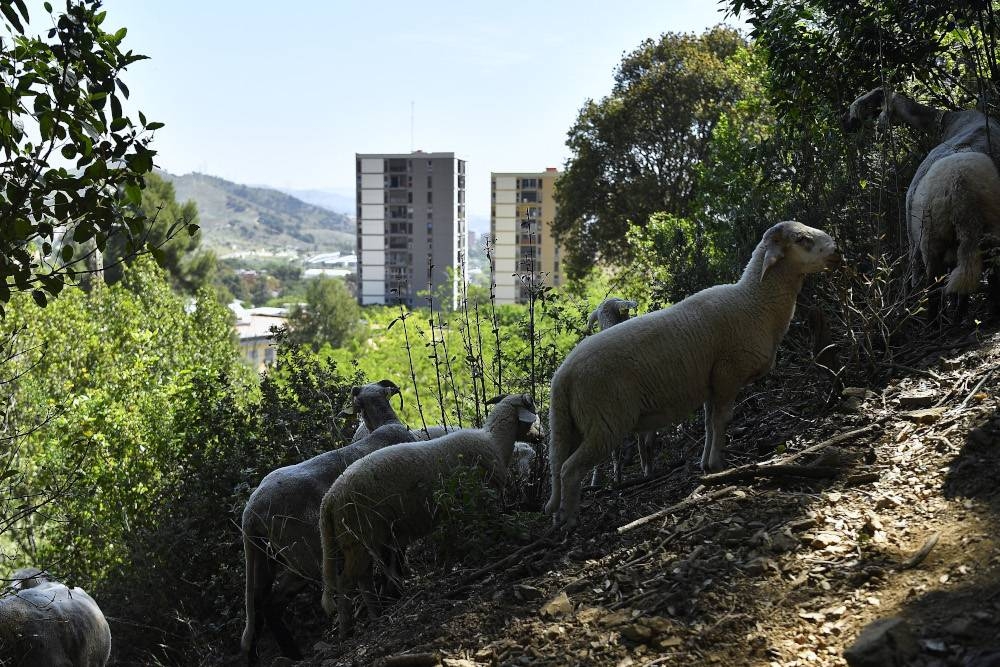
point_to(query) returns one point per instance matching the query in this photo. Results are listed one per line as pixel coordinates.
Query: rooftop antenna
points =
(411, 126)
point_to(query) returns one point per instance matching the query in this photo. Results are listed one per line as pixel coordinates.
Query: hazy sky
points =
(284, 94)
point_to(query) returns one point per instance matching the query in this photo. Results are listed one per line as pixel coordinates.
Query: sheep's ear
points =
(773, 253)
(355, 391)
(496, 399)
(390, 385)
(349, 410)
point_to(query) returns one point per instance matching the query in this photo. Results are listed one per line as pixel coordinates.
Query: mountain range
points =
(239, 218)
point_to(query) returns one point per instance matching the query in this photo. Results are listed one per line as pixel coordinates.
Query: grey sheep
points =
(281, 539)
(608, 313)
(44, 622)
(385, 501)
(657, 368)
(953, 200)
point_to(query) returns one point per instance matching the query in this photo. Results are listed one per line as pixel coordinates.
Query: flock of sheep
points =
(335, 517)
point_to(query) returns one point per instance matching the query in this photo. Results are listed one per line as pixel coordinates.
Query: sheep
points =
(952, 202)
(653, 370)
(44, 622)
(280, 533)
(385, 500)
(609, 313)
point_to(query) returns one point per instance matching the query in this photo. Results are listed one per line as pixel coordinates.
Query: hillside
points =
(885, 508)
(238, 218)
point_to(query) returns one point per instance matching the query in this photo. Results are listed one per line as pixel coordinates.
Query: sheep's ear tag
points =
(526, 416)
(775, 251)
(349, 410)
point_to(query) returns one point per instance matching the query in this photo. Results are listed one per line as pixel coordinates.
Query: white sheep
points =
(952, 202)
(44, 622)
(280, 522)
(608, 313)
(385, 501)
(654, 370)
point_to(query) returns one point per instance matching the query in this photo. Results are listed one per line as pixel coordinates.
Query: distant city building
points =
(410, 212)
(523, 207)
(253, 327)
(330, 264)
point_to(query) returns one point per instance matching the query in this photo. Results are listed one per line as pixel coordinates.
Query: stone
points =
(527, 593)
(887, 642)
(926, 416)
(917, 399)
(560, 605)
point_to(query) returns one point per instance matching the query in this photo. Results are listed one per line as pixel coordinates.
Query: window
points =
(529, 195)
(430, 181)
(430, 199)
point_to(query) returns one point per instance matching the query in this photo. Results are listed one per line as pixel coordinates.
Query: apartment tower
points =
(521, 225)
(411, 214)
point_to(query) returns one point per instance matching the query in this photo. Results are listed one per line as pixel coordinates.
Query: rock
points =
(917, 399)
(560, 605)
(322, 647)
(757, 566)
(926, 416)
(823, 540)
(887, 642)
(857, 392)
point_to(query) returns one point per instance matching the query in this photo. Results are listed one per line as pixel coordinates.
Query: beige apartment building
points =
(523, 207)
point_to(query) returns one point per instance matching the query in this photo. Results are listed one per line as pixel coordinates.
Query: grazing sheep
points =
(44, 622)
(280, 532)
(654, 370)
(953, 202)
(385, 501)
(609, 313)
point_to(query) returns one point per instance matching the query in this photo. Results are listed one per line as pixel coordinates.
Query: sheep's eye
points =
(805, 241)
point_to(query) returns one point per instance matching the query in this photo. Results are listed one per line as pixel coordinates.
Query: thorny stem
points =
(413, 374)
(493, 312)
(451, 375)
(475, 365)
(434, 343)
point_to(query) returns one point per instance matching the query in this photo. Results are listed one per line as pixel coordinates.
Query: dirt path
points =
(786, 570)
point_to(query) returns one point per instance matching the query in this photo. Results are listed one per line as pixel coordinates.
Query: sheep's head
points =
(866, 106)
(528, 425)
(363, 398)
(800, 247)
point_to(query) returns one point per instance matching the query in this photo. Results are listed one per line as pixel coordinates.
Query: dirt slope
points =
(900, 519)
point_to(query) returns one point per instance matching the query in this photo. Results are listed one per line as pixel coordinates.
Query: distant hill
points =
(333, 200)
(236, 217)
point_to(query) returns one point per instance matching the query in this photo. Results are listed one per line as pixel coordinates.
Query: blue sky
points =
(284, 94)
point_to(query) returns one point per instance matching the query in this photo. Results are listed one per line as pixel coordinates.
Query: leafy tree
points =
(189, 269)
(73, 161)
(329, 316)
(111, 372)
(637, 151)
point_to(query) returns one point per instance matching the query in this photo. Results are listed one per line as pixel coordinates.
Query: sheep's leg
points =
(259, 579)
(718, 413)
(618, 462)
(592, 451)
(288, 585)
(370, 596)
(645, 442)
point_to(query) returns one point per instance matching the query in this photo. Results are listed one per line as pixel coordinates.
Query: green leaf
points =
(154, 126)
(68, 151)
(67, 252)
(116, 109)
(133, 194)
(39, 297)
(11, 16)
(48, 7)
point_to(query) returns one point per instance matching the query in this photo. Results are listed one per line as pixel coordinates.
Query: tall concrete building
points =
(410, 213)
(521, 224)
